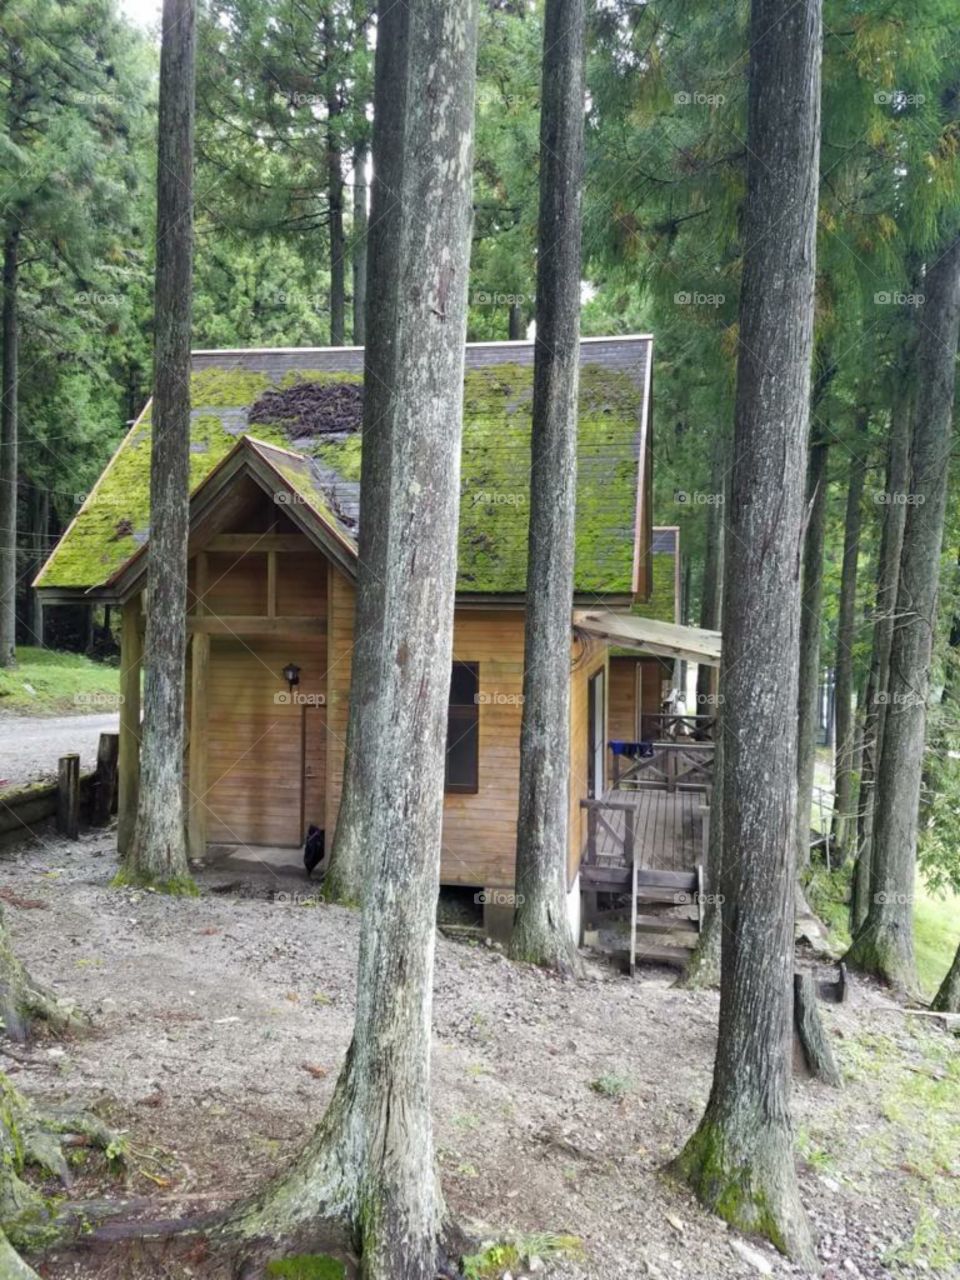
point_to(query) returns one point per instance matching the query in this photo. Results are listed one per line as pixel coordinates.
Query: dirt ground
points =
(219, 1025)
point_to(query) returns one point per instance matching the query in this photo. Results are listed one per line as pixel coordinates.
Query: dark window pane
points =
(463, 729)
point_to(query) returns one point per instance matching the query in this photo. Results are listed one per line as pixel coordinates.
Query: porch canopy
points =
(648, 635)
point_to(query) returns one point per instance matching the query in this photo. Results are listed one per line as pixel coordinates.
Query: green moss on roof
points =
(495, 476)
(662, 604)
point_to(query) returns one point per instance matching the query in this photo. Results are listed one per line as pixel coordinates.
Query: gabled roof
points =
(293, 482)
(613, 459)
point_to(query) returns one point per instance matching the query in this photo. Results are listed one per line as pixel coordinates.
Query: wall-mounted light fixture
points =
(291, 673)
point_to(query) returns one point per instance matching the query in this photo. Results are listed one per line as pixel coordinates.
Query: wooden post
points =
(271, 584)
(197, 774)
(131, 654)
(817, 1051)
(105, 785)
(68, 796)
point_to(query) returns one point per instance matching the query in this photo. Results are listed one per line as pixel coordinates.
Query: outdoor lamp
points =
(291, 673)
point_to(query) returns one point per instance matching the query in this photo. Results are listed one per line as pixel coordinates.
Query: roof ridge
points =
(470, 346)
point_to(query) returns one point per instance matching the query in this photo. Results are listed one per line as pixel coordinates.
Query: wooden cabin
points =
(274, 519)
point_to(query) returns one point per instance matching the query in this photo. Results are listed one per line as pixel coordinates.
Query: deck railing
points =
(656, 726)
(672, 766)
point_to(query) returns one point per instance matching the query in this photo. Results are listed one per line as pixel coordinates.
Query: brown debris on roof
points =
(310, 408)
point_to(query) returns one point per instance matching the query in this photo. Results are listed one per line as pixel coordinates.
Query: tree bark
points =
(23, 1001)
(884, 944)
(740, 1160)
(885, 604)
(158, 854)
(515, 325)
(370, 1164)
(947, 999)
(338, 291)
(845, 762)
(41, 524)
(810, 626)
(8, 451)
(541, 930)
(359, 243)
(711, 591)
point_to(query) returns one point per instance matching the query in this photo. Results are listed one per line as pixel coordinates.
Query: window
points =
(463, 729)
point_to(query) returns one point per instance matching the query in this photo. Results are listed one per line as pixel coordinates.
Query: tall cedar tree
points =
(158, 854)
(370, 1165)
(8, 452)
(884, 944)
(740, 1160)
(541, 932)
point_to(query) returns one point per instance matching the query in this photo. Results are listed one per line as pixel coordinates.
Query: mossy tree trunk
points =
(541, 930)
(158, 852)
(370, 1165)
(740, 1160)
(885, 604)
(8, 450)
(884, 944)
(844, 829)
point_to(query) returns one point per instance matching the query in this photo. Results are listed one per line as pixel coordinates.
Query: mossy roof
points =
(114, 521)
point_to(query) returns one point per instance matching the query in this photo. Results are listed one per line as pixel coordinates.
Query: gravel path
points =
(30, 746)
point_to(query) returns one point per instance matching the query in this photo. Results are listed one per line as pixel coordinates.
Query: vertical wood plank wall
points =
(592, 662)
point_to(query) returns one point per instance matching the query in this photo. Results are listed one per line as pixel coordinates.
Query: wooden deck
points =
(668, 830)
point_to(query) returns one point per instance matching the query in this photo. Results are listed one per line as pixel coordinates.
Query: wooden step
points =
(649, 953)
(666, 924)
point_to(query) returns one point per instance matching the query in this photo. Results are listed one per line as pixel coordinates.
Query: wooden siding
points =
(479, 831)
(624, 719)
(266, 753)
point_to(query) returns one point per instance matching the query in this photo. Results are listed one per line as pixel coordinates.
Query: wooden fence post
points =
(68, 796)
(131, 651)
(105, 783)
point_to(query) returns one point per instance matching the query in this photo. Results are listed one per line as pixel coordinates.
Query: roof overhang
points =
(650, 636)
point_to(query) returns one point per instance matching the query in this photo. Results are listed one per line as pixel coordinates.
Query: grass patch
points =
(47, 682)
(936, 921)
(610, 1085)
(307, 1266)
(513, 1255)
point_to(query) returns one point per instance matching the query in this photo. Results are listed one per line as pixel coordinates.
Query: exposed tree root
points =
(744, 1173)
(24, 1002)
(30, 1139)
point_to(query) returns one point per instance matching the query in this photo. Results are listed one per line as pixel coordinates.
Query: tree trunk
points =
(810, 622)
(703, 968)
(947, 999)
(884, 944)
(370, 1164)
(740, 1160)
(844, 830)
(885, 604)
(541, 931)
(41, 524)
(8, 452)
(158, 855)
(359, 243)
(711, 591)
(338, 291)
(515, 325)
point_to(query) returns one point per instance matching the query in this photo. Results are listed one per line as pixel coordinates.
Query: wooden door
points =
(596, 731)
